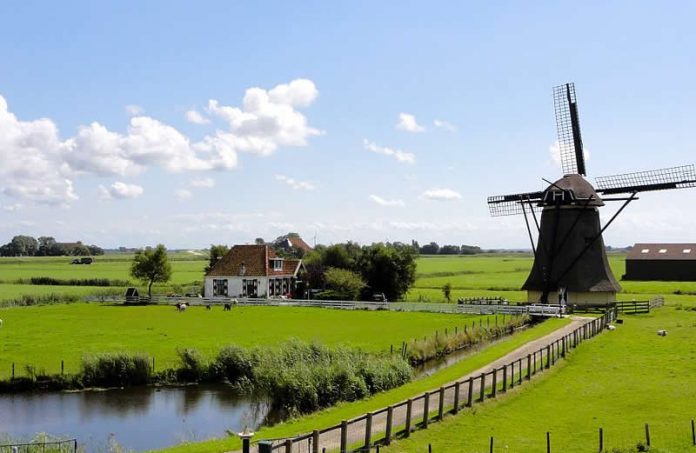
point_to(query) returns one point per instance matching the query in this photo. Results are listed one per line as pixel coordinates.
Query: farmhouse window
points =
(277, 265)
(686, 251)
(645, 251)
(663, 251)
(220, 287)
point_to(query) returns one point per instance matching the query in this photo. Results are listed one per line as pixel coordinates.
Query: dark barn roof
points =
(662, 251)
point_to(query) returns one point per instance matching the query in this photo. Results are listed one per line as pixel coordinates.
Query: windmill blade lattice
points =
(568, 129)
(643, 181)
(503, 205)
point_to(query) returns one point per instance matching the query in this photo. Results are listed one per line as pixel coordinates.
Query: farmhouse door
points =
(252, 288)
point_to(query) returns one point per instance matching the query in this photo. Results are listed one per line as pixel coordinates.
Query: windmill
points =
(569, 256)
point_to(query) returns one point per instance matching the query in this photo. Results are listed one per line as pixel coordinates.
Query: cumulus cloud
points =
(446, 125)
(184, 194)
(38, 166)
(134, 110)
(382, 202)
(202, 183)
(120, 190)
(268, 119)
(295, 184)
(31, 163)
(441, 195)
(555, 154)
(195, 117)
(397, 154)
(408, 123)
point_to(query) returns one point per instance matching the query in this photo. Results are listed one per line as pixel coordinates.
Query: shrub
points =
(233, 363)
(116, 369)
(193, 368)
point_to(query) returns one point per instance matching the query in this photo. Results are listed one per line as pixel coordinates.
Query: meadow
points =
(618, 381)
(486, 275)
(42, 336)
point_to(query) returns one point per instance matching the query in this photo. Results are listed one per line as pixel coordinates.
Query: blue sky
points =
(337, 136)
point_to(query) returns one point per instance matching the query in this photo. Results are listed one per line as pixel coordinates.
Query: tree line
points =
(47, 246)
(434, 248)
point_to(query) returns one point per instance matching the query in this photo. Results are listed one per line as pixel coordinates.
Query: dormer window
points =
(686, 251)
(645, 251)
(242, 269)
(277, 264)
(662, 251)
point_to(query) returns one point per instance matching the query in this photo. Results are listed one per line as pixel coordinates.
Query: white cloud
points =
(555, 153)
(195, 117)
(407, 122)
(301, 185)
(184, 194)
(30, 163)
(382, 202)
(446, 125)
(268, 119)
(202, 183)
(121, 190)
(38, 166)
(134, 110)
(397, 154)
(441, 195)
(11, 207)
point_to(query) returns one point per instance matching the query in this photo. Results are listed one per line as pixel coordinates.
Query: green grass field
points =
(618, 381)
(42, 336)
(488, 275)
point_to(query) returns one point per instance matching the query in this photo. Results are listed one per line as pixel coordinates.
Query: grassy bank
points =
(345, 411)
(618, 381)
(43, 336)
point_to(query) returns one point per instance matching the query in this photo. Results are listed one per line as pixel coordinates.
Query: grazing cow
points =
(207, 307)
(228, 307)
(181, 306)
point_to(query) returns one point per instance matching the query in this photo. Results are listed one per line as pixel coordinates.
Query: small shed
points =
(660, 261)
(132, 296)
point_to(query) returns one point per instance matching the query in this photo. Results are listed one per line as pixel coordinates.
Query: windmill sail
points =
(502, 205)
(643, 181)
(568, 128)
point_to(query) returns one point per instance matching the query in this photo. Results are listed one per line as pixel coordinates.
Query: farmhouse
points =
(252, 271)
(669, 262)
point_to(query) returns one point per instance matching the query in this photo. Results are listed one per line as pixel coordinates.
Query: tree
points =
(430, 249)
(388, 269)
(447, 291)
(151, 265)
(20, 246)
(343, 284)
(216, 252)
(449, 250)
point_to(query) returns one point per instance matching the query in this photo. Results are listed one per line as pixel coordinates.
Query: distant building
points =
(252, 271)
(293, 244)
(667, 262)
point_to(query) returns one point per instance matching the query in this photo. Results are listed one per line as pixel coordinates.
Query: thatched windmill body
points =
(570, 262)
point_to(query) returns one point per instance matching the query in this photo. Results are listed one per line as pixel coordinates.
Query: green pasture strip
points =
(13, 291)
(42, 336)
(345, 411)
(618, 381)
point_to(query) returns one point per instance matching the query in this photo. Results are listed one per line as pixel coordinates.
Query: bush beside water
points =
(115, 370)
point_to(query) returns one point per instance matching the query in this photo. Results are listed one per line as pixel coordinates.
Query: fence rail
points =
(399, 420)
(477, 309)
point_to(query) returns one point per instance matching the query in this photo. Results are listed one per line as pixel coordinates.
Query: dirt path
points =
(331, 440)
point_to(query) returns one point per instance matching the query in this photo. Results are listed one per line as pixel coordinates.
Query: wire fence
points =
(400, 420)
(56, 446)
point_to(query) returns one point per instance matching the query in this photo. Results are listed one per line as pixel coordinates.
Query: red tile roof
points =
(662, 252)
(255, 260)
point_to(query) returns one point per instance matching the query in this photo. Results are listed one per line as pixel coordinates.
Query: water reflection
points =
(139, 418)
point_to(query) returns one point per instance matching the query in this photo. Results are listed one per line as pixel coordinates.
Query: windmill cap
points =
(580, 187)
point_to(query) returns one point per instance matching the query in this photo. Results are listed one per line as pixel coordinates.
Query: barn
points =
(667, 262)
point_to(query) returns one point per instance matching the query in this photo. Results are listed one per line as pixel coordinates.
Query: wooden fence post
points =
(426, 408)
(647, 434)
(601, 440)
(693, 432)
(62, 367)
(505, 376)
(490, 449)
(470, 398)
(368, 432)
(288, 445)
(441, 405)
(482, 390)
(548, 442)
(409, 407)
(548, 357)
(315, 441)
(519, 367)
(388, 429)
(494, 386)
(344, 436)
(456, 397)
(529, 366)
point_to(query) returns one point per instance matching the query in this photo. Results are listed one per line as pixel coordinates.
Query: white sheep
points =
(662, 333)
(611, 327)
